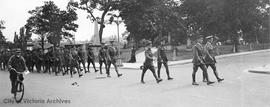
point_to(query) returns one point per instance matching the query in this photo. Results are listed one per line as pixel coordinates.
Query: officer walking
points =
(148, 63)
(198, 61)
(209, 58)
(162, 59)
(113, 54)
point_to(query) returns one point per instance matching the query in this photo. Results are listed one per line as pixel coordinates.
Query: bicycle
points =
(19, 92)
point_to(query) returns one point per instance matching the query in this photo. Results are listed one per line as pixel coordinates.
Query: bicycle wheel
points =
(18, 95)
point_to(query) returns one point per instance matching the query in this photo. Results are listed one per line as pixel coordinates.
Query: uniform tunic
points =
(113, 54)
(162, 55)
(148, 58)
(209, 53)
(197, 54)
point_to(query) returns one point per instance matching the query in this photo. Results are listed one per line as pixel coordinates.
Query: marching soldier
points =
(113, 54)
(81, 54)
(91, 59)
(162, 59)
(48, 61)
(39, 59)
(62, 60)
(7, 54)
(74, 62)
(198, 61)
(1, 59)
(29, 60)
(148, 63)
(56, 60)
(209, 58)
(103, 57)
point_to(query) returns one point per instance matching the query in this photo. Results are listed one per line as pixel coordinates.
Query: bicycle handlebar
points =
(25, 72)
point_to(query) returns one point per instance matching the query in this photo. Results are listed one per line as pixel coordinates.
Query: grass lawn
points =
(184, 53)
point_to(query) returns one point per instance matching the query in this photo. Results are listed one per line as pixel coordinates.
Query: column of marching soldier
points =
(67, 61)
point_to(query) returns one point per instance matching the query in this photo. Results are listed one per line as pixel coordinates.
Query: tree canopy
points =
(225, 18)
(50, 22)
(149, 19)
(90, 5)
(2, 37)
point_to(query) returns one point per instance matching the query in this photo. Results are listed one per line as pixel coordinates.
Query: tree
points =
(21, 40)
(51, 23)
(2, 37)
(90, 5)
(225, 18)
(16, 40)
(151, 19)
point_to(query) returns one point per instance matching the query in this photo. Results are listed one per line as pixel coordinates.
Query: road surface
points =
(240, 88)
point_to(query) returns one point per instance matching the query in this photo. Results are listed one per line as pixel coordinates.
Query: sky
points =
(15, 14)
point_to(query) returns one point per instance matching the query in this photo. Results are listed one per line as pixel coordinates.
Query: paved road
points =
(240, 88)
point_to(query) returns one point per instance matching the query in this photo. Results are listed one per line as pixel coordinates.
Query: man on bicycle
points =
(16, 62)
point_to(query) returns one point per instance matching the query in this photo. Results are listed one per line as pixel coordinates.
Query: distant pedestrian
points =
(133, 55)
(198, 61)
(162, 59)
(209, 58)
(148, 63)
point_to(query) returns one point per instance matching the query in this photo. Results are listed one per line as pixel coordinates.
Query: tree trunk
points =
(42, 43)
(101, 32)
(102, 23)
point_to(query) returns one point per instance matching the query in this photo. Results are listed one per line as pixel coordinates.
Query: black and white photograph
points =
(134, 53)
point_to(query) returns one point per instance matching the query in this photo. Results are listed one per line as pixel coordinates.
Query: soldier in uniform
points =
(209, 58)
(103, 57)
(48, 61)
(162, 59)
(81, 54)
(29, 60)
(113, 54)
(74, 62)
(56, 60)
(62, 62)
(148, 63)
(67, 57)
(91, 59)
(1, 60)
(7, 55)
(198, 61)
(39, 59)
